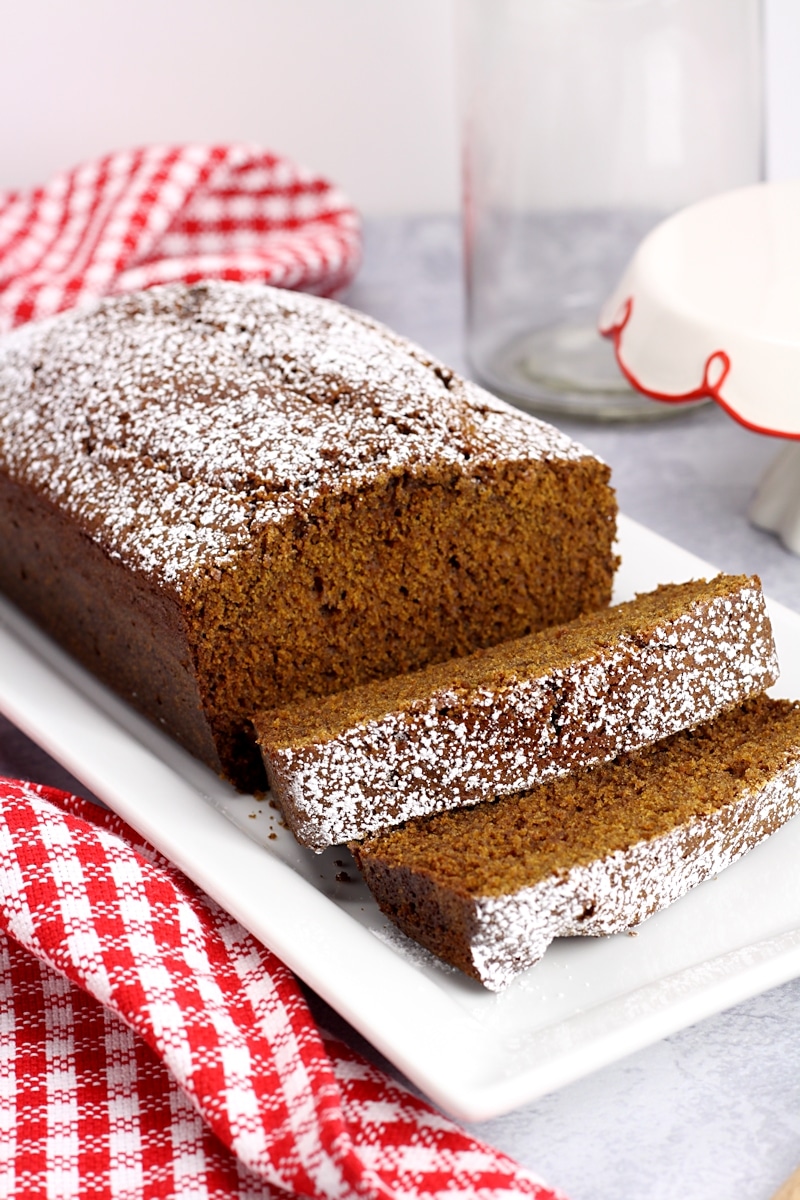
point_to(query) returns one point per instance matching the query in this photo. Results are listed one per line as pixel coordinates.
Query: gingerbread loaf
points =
(503, 719)
(224, 497)
(593, 853)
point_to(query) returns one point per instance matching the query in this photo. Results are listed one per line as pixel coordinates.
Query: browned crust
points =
(129, 635)
(421, 524)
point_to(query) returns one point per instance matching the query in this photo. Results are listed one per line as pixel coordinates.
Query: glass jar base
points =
(568, 369)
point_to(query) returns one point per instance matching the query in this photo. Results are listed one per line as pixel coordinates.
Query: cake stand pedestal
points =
(776, 504)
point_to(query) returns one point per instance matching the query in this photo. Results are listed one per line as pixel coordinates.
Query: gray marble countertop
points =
(713, 1112)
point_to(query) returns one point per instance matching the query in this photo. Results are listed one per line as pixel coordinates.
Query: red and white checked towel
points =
(160, 214)
(150, 1047)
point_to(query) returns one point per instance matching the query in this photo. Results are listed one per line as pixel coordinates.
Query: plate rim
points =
(311, 933)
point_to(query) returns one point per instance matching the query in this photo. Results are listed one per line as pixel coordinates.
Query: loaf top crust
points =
(174, 424)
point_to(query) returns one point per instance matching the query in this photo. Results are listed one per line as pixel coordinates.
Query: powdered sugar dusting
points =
(619, 891)
(458, 745)
(175, 423)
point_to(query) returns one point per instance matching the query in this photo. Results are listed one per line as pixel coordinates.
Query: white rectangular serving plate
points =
(474, 1053)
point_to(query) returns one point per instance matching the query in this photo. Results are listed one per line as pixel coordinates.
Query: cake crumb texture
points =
(503, 719)
(592, 853)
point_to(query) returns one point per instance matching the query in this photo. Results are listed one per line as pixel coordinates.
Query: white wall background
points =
(360, 90)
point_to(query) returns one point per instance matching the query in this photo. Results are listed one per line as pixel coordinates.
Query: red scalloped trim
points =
(715, 372)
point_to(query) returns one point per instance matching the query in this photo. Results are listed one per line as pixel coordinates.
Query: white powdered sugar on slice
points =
(617, 892)
(456, 745)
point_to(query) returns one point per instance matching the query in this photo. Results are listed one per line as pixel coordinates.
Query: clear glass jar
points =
(585, 123)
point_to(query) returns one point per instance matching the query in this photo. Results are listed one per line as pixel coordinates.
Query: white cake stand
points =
(710, 307)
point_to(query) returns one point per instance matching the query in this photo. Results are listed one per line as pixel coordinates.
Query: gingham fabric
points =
(163, 213)
(150, 1047)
